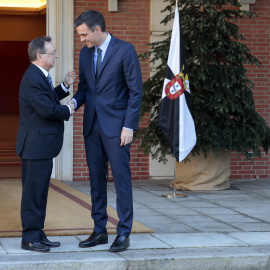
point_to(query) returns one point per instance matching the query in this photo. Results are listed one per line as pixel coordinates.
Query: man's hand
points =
(70, 78)
(71, 104)
(126, 136)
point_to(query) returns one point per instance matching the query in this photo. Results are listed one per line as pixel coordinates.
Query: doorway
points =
(17, 29)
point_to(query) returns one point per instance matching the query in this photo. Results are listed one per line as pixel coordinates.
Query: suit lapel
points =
(52, 93)
(89, 62)
(107, 55)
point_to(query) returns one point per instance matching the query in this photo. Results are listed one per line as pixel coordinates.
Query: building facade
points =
(138, 22)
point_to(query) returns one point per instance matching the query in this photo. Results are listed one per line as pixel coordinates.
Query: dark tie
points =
(50, 81)
(98, 60)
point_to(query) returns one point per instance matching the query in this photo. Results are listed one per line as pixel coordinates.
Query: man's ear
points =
(98, 29)
(39, 57)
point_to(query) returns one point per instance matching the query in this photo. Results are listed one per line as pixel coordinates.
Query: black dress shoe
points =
(94, 239)
(120, 243)
(48, 243)
(35, 246)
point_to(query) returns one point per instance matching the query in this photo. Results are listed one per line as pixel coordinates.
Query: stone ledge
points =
(216, 258)
(245, 4)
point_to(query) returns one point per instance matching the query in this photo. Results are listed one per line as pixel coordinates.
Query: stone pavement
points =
(227, 229)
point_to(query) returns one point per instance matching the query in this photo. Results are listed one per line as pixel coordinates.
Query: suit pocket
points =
(47, 131)
(120, 105)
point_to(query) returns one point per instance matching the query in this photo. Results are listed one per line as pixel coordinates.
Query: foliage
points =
(223, 106)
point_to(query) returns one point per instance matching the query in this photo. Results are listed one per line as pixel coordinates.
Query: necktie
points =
(50, 81)
(98, 60)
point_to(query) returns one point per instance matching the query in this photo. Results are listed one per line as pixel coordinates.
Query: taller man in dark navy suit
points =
(39, 138)
(111, 88)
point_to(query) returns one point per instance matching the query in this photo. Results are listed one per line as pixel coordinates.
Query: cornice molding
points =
(27, 11)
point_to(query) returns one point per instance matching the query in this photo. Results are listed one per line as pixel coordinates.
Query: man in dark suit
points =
(111, 88)
(39, 138)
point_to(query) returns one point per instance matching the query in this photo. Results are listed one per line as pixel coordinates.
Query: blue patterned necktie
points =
(98, 60)
(50, 81)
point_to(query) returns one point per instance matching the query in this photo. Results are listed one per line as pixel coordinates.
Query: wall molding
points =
(60, 27)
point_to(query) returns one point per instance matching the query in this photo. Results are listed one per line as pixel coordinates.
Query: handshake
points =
(71, 105)
(69, 79)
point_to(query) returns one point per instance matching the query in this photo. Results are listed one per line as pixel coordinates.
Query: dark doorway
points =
(15, 34)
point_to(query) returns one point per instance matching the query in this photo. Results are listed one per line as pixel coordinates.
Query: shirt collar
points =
(105, 44)
(45, 72)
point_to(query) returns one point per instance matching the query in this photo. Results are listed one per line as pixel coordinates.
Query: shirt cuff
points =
(128, 128)
(75, 102)
(69, 109)
(64, 88)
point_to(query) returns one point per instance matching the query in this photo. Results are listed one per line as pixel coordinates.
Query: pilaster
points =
(60, 27)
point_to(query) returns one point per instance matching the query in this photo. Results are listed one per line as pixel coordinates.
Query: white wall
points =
(159, 170)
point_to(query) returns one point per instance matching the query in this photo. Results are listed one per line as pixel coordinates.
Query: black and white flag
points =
(175, 119)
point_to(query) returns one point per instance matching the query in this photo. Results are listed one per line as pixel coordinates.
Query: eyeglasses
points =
(52, 53)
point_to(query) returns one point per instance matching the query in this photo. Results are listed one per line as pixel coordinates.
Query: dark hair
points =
(91, 18)
(36, 46)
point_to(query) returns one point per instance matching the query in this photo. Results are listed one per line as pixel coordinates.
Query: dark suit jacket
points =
(41, 127)
(116, 93)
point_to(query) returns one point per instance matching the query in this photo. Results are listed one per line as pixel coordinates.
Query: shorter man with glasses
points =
(40, 138)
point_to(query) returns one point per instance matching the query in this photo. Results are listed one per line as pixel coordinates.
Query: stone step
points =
(150, 259)
(7, 152)
(10, 164)
(8, 156)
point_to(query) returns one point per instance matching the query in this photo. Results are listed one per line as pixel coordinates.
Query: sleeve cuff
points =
(69, 109)
(128, 128)
(64, 88)
(75, 102)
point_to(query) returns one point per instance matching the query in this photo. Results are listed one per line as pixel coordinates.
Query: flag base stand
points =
(174, 194)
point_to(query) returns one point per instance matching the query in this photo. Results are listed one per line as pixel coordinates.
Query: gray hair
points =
(36, 46)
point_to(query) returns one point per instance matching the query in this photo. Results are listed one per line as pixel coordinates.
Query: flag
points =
(175, 119)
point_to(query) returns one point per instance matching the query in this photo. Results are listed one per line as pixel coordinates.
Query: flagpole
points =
(174, 195)
(174, 185)
(175, 119)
